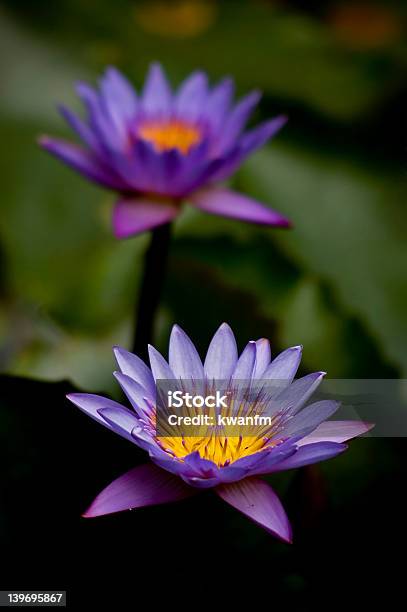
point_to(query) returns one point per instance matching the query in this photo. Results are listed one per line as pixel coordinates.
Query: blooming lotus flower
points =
(232, 467)
(162, 148)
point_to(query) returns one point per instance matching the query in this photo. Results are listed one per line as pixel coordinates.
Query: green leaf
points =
(348, 232)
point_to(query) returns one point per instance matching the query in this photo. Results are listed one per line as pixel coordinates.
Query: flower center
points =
(173, 134)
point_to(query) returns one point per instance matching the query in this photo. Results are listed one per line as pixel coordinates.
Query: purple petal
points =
(126, 169)
(310, 417)
(136, 215)
(336, 431)
(101, 409)
(221, 357)
(119, 96)
(133, 366)
(257, 500)
(246, 145)
(157, 97)
(200, 167)
(144, 439)
(257, 137)
(261, 462)
(80, 160)
(91, 404)
(155, 172)
(121, 420)
(143, 168)
(200, 467)
(126, 424)
(232, 473)
(284, 367)
(135, 393)
(294, 397)
(237, 121)
(197, 169)
(200, 483)
(263, 355)
(237, 206)
(167, 462)
(183, 356)
(218, 104)
(159, 367)
(144, 485)
(245, 364)
(308, 454)
(84, 132)
(225, 166)
(89, 97)
(191, 97)
(101, 121)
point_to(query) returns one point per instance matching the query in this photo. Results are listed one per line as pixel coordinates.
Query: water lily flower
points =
(232, 467)
(160, 149)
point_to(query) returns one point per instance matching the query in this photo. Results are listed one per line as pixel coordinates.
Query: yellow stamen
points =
(173, 134)
(220, 450)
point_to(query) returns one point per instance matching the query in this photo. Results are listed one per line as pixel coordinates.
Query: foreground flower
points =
(162, 148)
(299, 435)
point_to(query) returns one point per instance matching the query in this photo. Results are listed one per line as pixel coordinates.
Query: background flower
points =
(336, 168)
(300, 435)
(162, 148)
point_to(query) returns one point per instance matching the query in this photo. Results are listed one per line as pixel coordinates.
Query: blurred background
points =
(335, 283)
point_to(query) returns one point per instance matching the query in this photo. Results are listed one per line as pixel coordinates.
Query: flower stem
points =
(154, 270)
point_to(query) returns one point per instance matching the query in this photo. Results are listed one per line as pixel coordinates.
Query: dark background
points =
(335, 283)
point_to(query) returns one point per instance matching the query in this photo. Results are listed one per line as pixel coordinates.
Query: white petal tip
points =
(224, 325)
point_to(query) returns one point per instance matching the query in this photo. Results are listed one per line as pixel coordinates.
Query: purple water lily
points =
(162, 148)
(299, 435)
